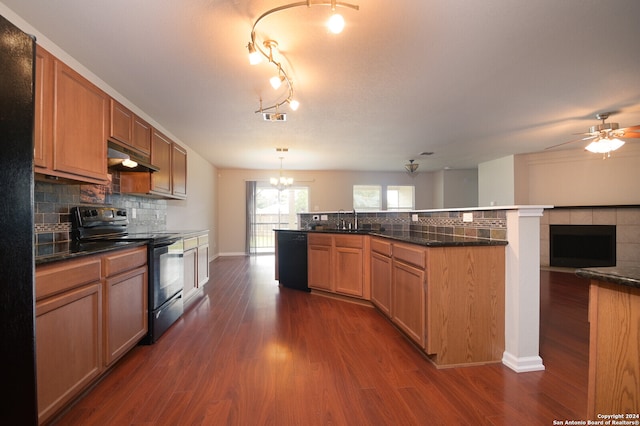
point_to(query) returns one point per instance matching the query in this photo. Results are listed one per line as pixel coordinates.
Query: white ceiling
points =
(470, 81)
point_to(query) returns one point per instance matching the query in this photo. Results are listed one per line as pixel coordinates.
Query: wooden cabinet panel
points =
(121, 128)
(68, 346)
(378, 245)
(408, 300)
(190, 284)
(178, 171)
(43, 136)
(411, 254)
(141, 136)
(319, 266)
(80, 126)
(58, 277)
(614, 351)
(349, 271)
(126, 312)
(381, 276)
(121, 261)
(161, 157)
(203, 263)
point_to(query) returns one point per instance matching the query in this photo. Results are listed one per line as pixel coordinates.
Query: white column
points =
(522, 290)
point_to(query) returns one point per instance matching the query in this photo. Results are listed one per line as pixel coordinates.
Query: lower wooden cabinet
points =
(381, 277)
(408, 300)
(338, 263)
(89, 312)
(196, 264)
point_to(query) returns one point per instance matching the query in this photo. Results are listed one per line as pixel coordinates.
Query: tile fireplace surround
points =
(626, 219)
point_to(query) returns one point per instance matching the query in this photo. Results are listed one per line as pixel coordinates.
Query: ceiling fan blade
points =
(573, 141)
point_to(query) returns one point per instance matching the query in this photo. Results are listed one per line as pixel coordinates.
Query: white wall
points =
(580, 178)
(460, 188)
(199, 210)
(496, 182)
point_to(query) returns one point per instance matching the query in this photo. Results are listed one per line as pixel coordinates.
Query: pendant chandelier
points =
(281, 182)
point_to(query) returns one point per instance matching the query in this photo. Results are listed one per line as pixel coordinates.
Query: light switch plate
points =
(414, 217)
(467, 217)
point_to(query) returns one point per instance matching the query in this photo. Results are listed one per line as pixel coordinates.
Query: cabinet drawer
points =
(410, 254)
(190, 243)
(124, 260)
(203, 239)
(380, 246)
(319, 239)
(61, 276)
(352, 241)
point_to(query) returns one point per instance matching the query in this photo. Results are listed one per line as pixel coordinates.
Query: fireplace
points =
(582, 246)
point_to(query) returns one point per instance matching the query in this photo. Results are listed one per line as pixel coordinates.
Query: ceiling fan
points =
(605, 137)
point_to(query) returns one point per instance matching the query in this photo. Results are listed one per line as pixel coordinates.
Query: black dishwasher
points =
(292, 259)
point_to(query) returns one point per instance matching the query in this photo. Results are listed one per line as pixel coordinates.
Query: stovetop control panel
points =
(92, 215)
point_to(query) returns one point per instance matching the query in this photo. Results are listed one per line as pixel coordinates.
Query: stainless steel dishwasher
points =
(292, 259)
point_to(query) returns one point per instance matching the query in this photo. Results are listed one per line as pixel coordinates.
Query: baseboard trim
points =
(522, 364)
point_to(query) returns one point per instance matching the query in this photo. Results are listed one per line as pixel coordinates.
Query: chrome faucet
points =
(355, 219)
(340, 223)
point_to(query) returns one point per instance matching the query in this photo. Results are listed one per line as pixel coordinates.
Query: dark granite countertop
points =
(412, 238)
(624, 275)
(54, 252)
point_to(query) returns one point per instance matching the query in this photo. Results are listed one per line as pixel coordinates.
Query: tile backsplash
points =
(53, 202)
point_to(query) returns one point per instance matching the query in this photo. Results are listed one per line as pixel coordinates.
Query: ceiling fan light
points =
(294, 104)
(603, 146)
(336, 23)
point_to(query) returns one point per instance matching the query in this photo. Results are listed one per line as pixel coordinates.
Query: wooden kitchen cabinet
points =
(128, 129)
(614, 354)
(319, 262)
(89, 312)
(43, 132)
(339, 264)
(408, 298)
(196, 264)
(126, 301)
(71, 123)
(170, 181)
(68, 331)
(381, 275)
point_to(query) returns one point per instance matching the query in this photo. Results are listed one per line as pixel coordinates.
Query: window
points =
(400, 197)
(367, 197)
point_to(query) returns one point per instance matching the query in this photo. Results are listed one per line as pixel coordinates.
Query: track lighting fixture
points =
(257, 53)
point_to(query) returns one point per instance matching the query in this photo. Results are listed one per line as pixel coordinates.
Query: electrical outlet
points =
(324, 217)
(414, 217)
(467, 217)
(133, 213)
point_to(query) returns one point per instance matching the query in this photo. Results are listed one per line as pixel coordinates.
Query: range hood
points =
(121, 158)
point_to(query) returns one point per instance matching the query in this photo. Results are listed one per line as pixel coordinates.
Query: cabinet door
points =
(381, 275)
(121, 123)
(408, 300)
(178, 171)
(349, 271)
(42, 151)
(203, 264)
(190, 273)
(319, 267)
(126, 312)
(68, 346)
(141, 136)
(80, 126)
(161, 158)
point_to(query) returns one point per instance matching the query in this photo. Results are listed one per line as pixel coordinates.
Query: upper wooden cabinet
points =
(129, 129)
(71, 123)
(170, 181)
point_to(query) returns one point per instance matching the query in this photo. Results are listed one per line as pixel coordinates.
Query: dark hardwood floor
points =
(252, 353)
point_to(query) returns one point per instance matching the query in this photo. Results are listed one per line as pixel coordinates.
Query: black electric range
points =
(165, 260)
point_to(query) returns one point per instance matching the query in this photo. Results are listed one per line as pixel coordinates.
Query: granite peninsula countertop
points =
(410, 237)
(624, 275)
(54, 252)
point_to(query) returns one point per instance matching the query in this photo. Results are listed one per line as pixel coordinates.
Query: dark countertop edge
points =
(628, 276)
(405, 239)
(87, 249)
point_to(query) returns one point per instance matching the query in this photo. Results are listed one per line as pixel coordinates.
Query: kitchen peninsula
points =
(614, 354)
